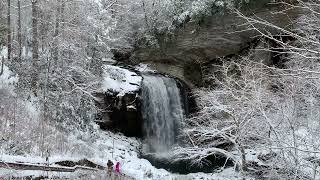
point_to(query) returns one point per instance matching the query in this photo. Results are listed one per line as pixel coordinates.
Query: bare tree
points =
(230, 118)
(2, 65)
(19, 33)
(9, 41)
(35, 47)
(56, 31)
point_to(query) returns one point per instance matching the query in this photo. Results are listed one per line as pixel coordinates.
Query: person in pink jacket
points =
(117, 168)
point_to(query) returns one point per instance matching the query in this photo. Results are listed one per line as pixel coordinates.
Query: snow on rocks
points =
(120, 80)
(144, 68)
(7, 78)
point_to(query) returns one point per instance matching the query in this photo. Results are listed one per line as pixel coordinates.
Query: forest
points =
(163, 89)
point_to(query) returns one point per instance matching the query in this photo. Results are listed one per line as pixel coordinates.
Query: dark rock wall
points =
(120, 113)
(181, 53)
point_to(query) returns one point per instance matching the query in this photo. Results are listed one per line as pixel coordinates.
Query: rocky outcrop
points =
(118, 101)
(181, 54)
(120, 113)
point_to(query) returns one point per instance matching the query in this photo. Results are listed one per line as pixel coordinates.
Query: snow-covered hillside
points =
(97, 146)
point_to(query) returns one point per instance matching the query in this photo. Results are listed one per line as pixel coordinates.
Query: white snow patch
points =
(7, 78)
(144, 68)
(116, 79)
(26, 53)
(4, 52)
(226, 174)
(108, 60)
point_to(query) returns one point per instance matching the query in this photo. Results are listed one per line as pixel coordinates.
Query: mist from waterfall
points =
(162, 111)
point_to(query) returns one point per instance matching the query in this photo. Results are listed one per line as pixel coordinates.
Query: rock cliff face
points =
(120, 113)
(181, 53)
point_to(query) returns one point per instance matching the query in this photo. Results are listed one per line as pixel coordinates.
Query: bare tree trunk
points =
(243, 158)
(62, 26)
(35, 47)
(145, 15)
(9, 31)
(1, 70)
(13, 136)
(56, 32)
(19, 34)
(45, 111)
(241, 147)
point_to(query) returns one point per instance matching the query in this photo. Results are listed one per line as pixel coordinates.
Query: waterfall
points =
(162, 111)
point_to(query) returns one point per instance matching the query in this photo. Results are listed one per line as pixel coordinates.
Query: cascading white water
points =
(162, 111)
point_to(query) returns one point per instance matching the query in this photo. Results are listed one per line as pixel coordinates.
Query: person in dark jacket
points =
(110, 167)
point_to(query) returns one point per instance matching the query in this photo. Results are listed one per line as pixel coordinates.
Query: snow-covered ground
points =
(109, 146)
(8, 173)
